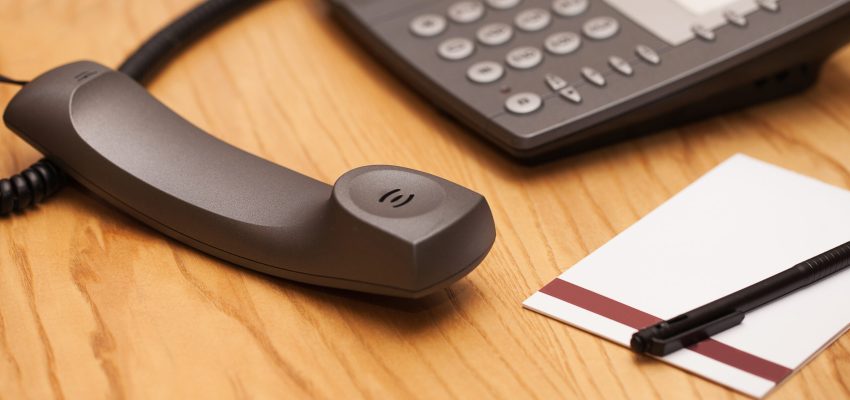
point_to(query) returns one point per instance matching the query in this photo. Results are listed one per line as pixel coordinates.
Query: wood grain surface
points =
(95, 305)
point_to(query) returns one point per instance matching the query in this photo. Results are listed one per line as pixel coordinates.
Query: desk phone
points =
(543, 77)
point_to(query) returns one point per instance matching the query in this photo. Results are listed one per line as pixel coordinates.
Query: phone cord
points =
(43, 179)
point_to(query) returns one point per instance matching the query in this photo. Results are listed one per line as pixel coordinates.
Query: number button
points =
(600, 28)
(456, 49)
(569, 8)
(485, 72)
(533, 20)
(524, 57)
(503, 4)
(523, 103)
(495, 34)
(562, 43)
(428, 25)
(465, 12)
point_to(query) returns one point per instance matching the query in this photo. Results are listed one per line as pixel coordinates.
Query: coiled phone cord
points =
(43, 179)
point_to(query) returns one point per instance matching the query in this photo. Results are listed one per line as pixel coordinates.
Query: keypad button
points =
(524, 57)
(569, 8)
(769, 5)
(428, 25)
(647, 54)
(561, 43)
(464, 12)
(524, 103)
(456, 49)
(495, 34)
(704, 33)
(503, 4)
(600, 28)
(533, 20)
(735, 18)
(620, 65)
(555, 82)
(572, 94)
(485, 72)
(593, 76)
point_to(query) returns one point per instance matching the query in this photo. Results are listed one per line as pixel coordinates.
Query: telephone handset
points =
(379, 229)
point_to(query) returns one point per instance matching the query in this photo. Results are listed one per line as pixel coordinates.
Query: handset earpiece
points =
(379, 229)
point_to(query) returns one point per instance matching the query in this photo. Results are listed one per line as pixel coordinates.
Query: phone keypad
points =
(522, 58)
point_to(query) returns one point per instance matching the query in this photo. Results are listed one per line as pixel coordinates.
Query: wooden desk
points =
(96, 305)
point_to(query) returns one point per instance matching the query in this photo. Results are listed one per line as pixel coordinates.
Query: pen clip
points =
(662, 346)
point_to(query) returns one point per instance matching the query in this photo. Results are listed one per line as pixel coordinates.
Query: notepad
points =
(742, 222)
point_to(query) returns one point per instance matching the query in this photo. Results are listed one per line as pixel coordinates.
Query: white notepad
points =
(742, 222)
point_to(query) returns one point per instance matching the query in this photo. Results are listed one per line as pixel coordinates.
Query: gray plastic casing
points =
(775, 54)
(379, 229)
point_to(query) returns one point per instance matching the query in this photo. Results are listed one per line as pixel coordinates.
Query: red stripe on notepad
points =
(630, 316)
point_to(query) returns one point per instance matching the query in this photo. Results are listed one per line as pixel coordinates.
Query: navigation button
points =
(593, 76)
(570, 93)
(620, 65)
(485, 72)
(647, 54)
(555, 82)
(600, 28)
(428, 25)
(524, 103)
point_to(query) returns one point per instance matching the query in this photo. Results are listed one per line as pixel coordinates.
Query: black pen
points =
(700, 323)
